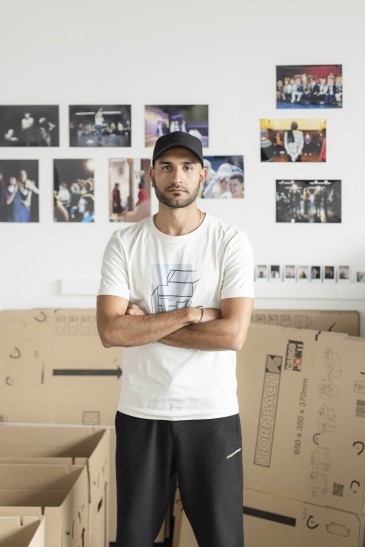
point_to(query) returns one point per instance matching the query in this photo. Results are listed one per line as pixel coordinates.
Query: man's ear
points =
(152, 177)
(203, 176)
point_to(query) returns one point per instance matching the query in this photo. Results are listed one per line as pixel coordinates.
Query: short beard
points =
(173, 202)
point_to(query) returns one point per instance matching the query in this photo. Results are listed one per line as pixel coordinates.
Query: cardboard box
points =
(59, 493)
(16, 532)
(47, 356)
(24, 443)
(321, 320)
(282, 522)
(302, 406)
(54, 369)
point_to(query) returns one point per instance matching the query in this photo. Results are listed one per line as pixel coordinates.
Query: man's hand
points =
(133, 309)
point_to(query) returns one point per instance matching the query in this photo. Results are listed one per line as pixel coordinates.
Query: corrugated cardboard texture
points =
(25, 532)
(347, 322)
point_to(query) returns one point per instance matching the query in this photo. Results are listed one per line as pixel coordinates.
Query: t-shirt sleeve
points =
(238, 268)
(114, 271)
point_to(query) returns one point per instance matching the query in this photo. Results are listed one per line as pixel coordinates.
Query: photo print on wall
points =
(100, 125)
(225, 177)
(19, 191)
(163, 119)
(29, 125)
(309, 86)
(73, 190)
(293, 140)
(308, 201)
(130, 189)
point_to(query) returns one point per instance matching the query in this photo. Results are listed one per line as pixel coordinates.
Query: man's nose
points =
(176, 174)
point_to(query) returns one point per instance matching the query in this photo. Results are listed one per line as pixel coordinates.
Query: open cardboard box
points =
(25, 443)
(59, 493)
(17, 532)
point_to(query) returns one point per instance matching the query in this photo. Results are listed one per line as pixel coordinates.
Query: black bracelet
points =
(202, 310)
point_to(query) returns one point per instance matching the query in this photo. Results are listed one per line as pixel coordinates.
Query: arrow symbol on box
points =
(87, 372)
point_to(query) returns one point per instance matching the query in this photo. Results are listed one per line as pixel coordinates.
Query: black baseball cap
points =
(178, 139)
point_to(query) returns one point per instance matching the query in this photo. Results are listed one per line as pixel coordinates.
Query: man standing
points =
(177, 292)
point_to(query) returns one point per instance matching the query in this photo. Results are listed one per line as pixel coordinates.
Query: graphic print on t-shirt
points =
(173, 286)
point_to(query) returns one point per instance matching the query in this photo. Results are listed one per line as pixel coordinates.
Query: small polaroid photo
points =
(261, 272)
(303, 273)
(360, 277)
(289, 273)
(343, 274)
(275, 273)
(316, 274)
(329, 274)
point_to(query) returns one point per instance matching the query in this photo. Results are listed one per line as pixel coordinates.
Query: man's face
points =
(235, 186)
(177, 177)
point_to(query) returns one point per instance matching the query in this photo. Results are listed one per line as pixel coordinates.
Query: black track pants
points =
(206, 456)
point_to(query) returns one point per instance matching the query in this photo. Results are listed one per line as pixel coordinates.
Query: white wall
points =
(162, 52)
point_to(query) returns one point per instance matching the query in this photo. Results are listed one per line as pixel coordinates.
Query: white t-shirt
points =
(160, 273)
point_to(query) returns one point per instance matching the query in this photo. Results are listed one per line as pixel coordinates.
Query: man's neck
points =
(178, 222)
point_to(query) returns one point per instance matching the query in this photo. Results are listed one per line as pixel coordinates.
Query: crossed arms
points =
(126, 325)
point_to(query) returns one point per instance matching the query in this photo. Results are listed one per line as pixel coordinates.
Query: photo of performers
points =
(224, 179)
(100, 125)
(73, 190)
(307, 201)
(130, 189)
(160, 120)
(288, 140)
(309, 86)
(19, 191)
(29, 126)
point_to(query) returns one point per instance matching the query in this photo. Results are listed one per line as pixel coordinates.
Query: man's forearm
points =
(226, 330)
(218, 335)
(137, 330)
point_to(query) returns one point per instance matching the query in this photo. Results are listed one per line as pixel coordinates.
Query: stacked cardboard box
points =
(17, 532)
(38, 452)
(56, 492)
(53, 369)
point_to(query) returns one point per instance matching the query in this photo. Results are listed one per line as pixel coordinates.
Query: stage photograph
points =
(293, 140)
(100, 125)
(19, 191)
(129, 189)
(29, 126)
(163, 119)
(308, 201)
(73, 190)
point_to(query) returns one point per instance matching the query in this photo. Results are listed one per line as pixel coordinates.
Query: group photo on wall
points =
(309, 86)
(293, 140)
